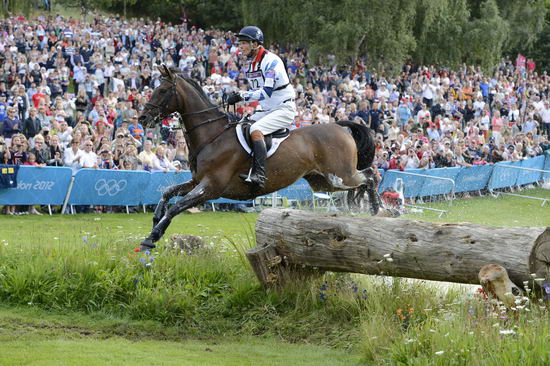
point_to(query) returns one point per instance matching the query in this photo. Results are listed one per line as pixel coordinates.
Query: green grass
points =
(35, 337)
(489, 211)
(73, 283)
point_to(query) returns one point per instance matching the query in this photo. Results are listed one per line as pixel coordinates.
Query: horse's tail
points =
(364, 140)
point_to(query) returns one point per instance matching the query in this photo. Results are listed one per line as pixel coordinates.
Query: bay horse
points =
(328, 156)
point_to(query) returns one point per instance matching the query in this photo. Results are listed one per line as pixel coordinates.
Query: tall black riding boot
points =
(257, 176)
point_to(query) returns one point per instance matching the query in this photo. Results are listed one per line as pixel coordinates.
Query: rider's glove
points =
(234, 98)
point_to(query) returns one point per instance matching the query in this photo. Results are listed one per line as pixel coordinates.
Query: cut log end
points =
(539, 261)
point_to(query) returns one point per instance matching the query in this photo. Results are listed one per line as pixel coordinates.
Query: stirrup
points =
(245, 177)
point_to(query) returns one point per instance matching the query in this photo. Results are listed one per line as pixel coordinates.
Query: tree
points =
(439, 32)
(86, 6)
(16, 7)
(485, 37)
(378, 29)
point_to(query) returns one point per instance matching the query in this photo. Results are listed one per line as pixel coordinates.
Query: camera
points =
(46, 133)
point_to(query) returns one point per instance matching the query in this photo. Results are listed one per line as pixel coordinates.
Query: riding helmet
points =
(251, 33)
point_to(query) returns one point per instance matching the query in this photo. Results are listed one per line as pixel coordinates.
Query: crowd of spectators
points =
(71, 92)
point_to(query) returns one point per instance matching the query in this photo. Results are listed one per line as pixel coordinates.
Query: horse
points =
(331, 157)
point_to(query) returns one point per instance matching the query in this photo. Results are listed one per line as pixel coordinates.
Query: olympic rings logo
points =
(110, 187)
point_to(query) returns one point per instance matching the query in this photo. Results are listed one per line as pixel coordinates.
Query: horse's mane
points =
(195, 85)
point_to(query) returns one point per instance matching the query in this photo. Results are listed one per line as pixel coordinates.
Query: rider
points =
(270, 85)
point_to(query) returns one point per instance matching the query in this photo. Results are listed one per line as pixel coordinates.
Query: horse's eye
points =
(162, 91)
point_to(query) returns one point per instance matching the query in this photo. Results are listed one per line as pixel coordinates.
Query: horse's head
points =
(164, 100)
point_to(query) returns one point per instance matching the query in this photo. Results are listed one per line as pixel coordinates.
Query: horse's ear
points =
(162, 70)
(169, 73)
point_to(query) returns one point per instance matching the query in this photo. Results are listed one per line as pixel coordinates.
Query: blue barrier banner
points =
(412, 184)
(298, 191)
(546, 176)
(473, 178)
(434, 187)
(159, 182)
(109, 187)
(38, 186)
(227, 200)
(526, 176)
(502, 176)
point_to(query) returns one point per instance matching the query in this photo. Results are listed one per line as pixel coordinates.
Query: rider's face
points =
(247, 48)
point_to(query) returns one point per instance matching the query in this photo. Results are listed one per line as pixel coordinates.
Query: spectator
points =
(88, 158)
(161, 163)
(72, 156)
(40, 151)
(11, 125)
(31, 125)
(136, 129)
(147, 156)
(130, 159)
(55, 152)
(106, 160)
(4, 151)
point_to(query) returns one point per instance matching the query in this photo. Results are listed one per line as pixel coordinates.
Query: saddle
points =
(272, 141)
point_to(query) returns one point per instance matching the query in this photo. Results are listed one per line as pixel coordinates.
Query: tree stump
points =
(397, 247)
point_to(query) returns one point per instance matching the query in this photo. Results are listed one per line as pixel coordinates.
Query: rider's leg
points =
(266, 123)
(257, 176)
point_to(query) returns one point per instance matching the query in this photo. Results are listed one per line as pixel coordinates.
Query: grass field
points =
(73, 292)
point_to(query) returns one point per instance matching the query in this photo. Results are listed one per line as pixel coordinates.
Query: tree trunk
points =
(403, 248)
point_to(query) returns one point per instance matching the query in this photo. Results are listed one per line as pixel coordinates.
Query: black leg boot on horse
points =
(257, 176)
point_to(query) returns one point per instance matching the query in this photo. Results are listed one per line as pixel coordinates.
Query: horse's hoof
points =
(147, 244)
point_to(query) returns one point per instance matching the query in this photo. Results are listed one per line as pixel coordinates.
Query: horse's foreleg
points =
(195, 197)
(172, 191)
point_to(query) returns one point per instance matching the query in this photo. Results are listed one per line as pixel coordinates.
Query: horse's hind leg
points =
(195, 197)
(365, 183)
(171, 192)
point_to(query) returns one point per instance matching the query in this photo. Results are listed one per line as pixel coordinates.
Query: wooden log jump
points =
(290, 240)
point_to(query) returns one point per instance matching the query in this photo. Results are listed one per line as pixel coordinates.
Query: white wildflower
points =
(407, 341)
(507, 331)
(387, 255)
(533, 275)
(439, 353)
(539, 280)
(389, 259)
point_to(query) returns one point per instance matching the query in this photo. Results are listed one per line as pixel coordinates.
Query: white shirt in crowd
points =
(88, 159)
(545, 114)
(69, 157)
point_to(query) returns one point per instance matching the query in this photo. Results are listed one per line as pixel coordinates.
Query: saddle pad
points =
(275, 142)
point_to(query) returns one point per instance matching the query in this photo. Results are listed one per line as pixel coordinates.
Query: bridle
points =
(162, 113)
